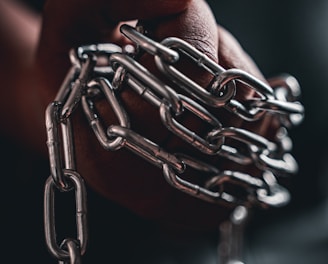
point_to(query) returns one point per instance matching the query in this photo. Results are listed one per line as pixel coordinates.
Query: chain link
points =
(88, 79)
(80, 242)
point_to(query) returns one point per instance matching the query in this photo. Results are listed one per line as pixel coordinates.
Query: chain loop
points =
(101, 71)
(105, 87)
(189, 136)
(147, 44)
(73, 251)
(140, 79)
(49, 214)
(53, 144)
(146, 148)
(207, 96)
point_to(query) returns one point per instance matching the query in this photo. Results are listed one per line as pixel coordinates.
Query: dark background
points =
(290, 36)
(281, 36)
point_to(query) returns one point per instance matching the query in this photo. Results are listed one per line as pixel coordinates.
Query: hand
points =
(121, 176)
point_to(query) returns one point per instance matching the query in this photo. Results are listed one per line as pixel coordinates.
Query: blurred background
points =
(290, 36)
(281, 36)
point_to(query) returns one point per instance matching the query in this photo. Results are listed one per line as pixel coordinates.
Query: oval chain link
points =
(49, 214)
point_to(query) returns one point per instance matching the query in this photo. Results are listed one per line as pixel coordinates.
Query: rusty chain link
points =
(87, 80)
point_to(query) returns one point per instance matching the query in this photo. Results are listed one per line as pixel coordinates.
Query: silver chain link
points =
(87, 80)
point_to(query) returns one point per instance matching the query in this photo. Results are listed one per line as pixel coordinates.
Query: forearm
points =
(21, 116)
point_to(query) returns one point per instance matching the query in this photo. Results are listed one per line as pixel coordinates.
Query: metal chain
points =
(88, 80)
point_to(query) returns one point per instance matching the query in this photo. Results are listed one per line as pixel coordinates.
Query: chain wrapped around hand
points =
(100, 70)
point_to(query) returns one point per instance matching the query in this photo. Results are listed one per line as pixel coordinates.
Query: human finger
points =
(68, 24)
(147, 193)
(139, 186)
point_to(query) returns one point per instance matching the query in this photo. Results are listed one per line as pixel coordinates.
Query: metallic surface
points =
(88, 80)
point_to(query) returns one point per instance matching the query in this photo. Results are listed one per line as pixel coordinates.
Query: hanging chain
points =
(88, 80)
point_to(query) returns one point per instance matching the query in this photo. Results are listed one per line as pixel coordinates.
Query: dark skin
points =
(121, 176)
